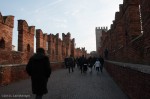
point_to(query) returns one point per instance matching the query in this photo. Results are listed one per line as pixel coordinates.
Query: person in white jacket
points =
(97, 65)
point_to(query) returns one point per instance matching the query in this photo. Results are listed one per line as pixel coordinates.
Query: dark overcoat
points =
(39, 69)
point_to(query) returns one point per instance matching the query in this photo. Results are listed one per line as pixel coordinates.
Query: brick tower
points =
(98, 32)
(6, 30)
(25, 37)
(67, 41)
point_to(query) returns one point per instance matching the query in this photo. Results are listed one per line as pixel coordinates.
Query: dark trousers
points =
(38, 97)
(81, 68)
(70, 68)
(101, 68)
(97, 69)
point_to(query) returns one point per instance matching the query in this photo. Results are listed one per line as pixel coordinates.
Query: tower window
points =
(2, 43)
(28, 48)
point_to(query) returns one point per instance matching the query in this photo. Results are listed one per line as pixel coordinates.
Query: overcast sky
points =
(79, 17)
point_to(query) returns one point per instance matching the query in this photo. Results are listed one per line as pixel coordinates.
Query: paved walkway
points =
(63, 85)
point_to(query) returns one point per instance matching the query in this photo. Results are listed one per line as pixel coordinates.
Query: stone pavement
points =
(63, 85)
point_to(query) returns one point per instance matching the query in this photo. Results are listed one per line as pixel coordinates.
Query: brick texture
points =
(134, 83)
(145, 16)
(55, 48)
(6, 28)
(9, 73)
(128, 39)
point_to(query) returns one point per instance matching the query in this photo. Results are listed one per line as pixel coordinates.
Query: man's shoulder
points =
(46, 57)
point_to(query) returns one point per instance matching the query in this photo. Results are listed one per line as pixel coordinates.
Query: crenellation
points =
(55, 48)
(31, 29)
(6, 30)
(124, 39)
(1, 18)
(68, 35)
(39, 38)
(25, 37)
(117, 15)
(22, 25)
(131, 2)
(9, 21)
(57, 35)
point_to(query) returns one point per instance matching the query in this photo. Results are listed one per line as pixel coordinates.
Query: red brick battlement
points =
(55, 48)
(128, 39)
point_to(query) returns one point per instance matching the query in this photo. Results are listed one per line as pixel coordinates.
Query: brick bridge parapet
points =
(133, 79)
(14, 72)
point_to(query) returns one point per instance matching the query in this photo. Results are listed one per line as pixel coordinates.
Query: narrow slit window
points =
(2, 43)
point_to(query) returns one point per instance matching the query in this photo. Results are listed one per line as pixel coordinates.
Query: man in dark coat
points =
(66, 62)
(71, 63)
(39, 69)
(102, 63)
(82, 61)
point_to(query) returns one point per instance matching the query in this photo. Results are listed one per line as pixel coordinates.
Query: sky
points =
(79, 17)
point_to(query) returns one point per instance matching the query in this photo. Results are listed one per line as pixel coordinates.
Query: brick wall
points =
(128, 40)
(9, 73)
(6, 28)
(40, 39)
(134, 83)
(145, 16)
(14, 57)
(56, 48)
(25, 37)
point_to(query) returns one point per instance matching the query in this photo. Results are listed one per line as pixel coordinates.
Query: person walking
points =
(66, 62)
(82, 61)
(90, 64)
(102, 63)
(97, 65)
(71, 63)
(39, 69)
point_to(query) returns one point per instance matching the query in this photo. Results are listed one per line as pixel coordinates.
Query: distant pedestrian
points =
(82, 61)
(102, 63)
(97, 65)
(90, 64)
(66, 62)
(71, 63)
(39, 69)
(77, 62)
(85, 65)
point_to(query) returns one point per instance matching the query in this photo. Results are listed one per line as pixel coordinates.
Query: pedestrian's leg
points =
(101, 68)
(69, 69)
(97, 70)
(38, 97)
(72, 69)
(81, 69)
